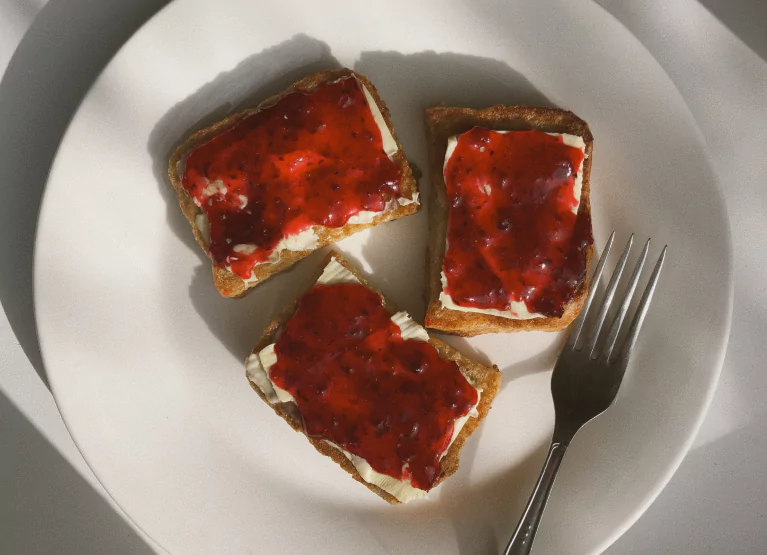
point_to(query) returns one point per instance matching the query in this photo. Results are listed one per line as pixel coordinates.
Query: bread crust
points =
(444, 122)
(486, 378)
(228, 283)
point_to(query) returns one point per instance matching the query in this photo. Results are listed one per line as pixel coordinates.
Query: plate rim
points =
(717, 365)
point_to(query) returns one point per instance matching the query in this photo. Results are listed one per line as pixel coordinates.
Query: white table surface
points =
(715, 51)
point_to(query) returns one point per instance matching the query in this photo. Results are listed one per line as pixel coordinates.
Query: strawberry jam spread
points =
(360, 385)
(513, 234)
(311, 159)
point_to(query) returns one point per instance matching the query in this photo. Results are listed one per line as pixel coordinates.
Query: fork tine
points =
(612, 337)
(572, 339)
(644, 304)
(593, 337)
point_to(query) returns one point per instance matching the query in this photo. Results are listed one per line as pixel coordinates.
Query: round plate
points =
(146, 360)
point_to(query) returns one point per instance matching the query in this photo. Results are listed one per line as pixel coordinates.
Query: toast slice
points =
(443, 123)
(231, 284)
(486, 380)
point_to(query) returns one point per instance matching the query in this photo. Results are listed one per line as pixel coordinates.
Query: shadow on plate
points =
(543, 361)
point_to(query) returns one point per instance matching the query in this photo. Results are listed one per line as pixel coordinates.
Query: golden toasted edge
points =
(229, 284)
(442, 123)
(488, 379)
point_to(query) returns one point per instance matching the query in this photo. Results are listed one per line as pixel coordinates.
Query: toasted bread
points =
(487, 379)
(444, 122)
(228, 283)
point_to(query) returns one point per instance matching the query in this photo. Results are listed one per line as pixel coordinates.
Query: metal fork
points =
(586, 378)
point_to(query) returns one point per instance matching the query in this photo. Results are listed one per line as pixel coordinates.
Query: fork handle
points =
(522, 541)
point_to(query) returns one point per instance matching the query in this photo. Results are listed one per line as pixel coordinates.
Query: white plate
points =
(145, 359)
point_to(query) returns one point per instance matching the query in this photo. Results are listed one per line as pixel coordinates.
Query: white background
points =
(715, 51)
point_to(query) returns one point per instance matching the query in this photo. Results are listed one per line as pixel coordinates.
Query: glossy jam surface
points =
(512, 234)
(358, 384)
(310, 159)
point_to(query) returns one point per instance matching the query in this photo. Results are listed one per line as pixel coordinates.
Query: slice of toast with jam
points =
(509, 219)
(308, 167)
(368, 387)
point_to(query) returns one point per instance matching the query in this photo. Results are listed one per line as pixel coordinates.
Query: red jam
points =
(310, 159)
(512, 235)
(358, 384)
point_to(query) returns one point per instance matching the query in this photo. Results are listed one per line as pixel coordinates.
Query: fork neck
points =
(564, 431)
